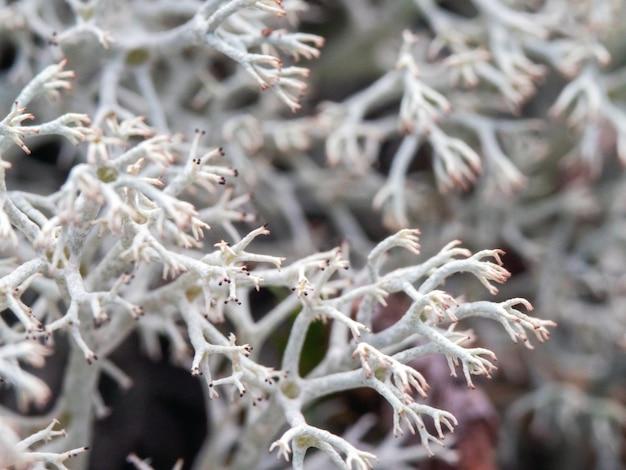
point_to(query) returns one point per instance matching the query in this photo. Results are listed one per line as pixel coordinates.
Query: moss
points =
(65, 420)
(280, 293)
(106, 174)
(192, 293)
(290, 389)
(86, 13)
(305, 441)
(315, 345)
(66, 253)
(380, 373)
(137, 56)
